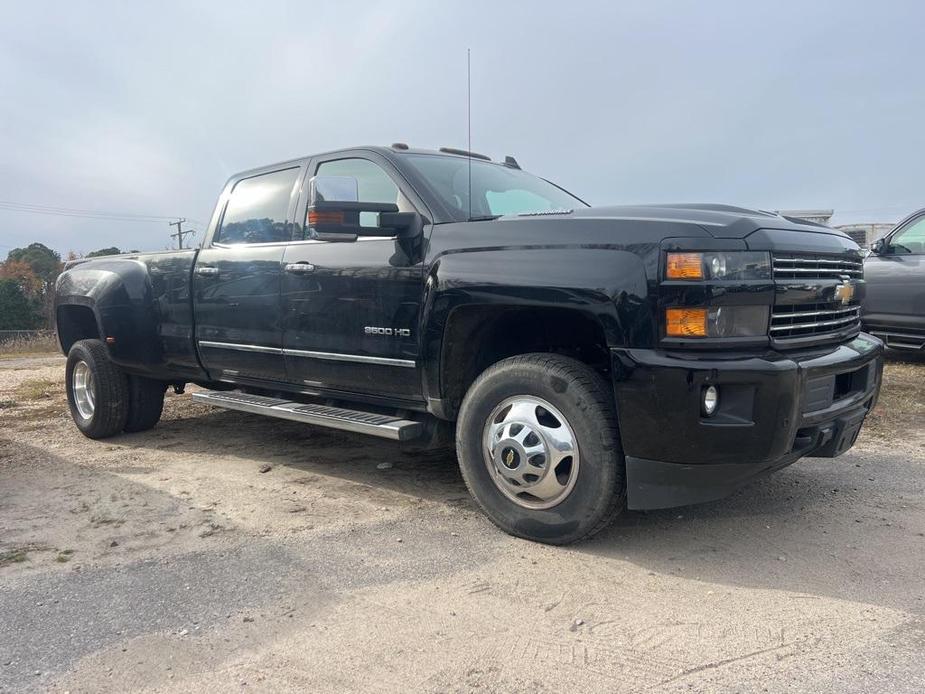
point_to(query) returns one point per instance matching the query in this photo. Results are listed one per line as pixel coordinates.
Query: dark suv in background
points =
(894, 306)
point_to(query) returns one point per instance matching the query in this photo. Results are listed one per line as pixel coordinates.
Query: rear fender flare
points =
(119, 293)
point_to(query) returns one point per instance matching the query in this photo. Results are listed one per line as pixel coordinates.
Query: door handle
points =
(207, 271)
(302, 268)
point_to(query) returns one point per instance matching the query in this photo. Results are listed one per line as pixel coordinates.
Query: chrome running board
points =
(384, 426)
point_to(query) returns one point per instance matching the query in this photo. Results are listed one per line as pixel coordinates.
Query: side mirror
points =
(334, 188)
(335, 214)
(879, 247)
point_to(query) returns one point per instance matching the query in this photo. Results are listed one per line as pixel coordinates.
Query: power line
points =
(31, 208)
(87, 216)
(76, 210)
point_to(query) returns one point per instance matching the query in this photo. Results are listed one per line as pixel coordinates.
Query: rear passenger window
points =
(258, 209)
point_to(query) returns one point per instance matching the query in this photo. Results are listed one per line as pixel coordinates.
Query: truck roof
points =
(397, 148)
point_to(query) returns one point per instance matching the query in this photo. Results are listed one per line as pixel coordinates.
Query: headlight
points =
(717, 321)
(719, 265)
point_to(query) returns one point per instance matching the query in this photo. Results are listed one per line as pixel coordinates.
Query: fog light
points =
(710, 400)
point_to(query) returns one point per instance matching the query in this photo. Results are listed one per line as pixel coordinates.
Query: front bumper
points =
(773, 410)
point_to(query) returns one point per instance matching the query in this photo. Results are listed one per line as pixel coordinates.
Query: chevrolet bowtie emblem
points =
(844, 292)
(509, 458)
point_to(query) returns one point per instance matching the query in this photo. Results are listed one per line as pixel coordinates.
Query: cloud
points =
(127, 108)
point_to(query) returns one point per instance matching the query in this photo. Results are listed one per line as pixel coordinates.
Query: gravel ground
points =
(167, 561)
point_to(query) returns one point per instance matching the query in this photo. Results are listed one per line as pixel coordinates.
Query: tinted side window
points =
(374, 184)
(257, 210)
(910, 240)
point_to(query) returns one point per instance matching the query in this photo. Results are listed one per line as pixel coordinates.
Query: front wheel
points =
(539, 449)
(97, 391)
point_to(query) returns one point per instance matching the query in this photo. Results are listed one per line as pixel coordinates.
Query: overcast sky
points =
(147, 108)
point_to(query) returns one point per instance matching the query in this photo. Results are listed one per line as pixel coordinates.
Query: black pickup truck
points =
(584, 359)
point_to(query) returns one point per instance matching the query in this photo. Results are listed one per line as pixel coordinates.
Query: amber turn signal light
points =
(685, 266)
(686, 322)
(315, 217)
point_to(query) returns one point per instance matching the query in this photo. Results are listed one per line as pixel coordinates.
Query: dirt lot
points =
(167, 561)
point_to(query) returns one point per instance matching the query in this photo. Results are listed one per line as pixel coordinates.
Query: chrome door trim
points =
(238, 246)
(296, 242)
(362, 359)
(240, 347)
(330, 356)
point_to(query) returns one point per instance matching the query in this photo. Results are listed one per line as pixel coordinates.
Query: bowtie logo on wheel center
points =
(510, 458)
(531, 452)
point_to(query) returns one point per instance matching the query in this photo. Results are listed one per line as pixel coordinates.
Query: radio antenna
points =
(469, 122)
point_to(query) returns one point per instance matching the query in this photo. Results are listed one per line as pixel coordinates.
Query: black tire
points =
(109, 390)
(146, 402)
(584, 398)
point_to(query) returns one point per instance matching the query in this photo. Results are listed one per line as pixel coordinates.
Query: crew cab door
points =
(236, 278)
(895, 279)
(351, 307)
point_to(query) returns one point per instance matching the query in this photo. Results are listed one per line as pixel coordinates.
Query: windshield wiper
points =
(483, 218)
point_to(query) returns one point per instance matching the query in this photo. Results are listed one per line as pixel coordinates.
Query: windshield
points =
(496, 189)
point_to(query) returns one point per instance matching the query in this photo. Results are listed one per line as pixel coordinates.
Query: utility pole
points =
(180, 233)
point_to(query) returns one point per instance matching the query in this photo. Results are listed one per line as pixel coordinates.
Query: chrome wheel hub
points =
(531, 452)
(83, 388)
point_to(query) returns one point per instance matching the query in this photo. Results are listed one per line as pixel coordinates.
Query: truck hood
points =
(720, 221)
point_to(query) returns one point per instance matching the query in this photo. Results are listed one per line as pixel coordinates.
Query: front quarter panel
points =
(609, 285)
(604, 269)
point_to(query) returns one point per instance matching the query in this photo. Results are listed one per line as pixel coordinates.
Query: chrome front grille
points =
(800, 320)
(819, 277)
(816, 267)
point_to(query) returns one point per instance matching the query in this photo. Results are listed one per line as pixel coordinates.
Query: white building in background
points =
(864, 233)
(817, 216)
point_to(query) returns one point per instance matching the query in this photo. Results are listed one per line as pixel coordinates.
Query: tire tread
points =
(592, 384)
(146, 403)
(112, 399)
